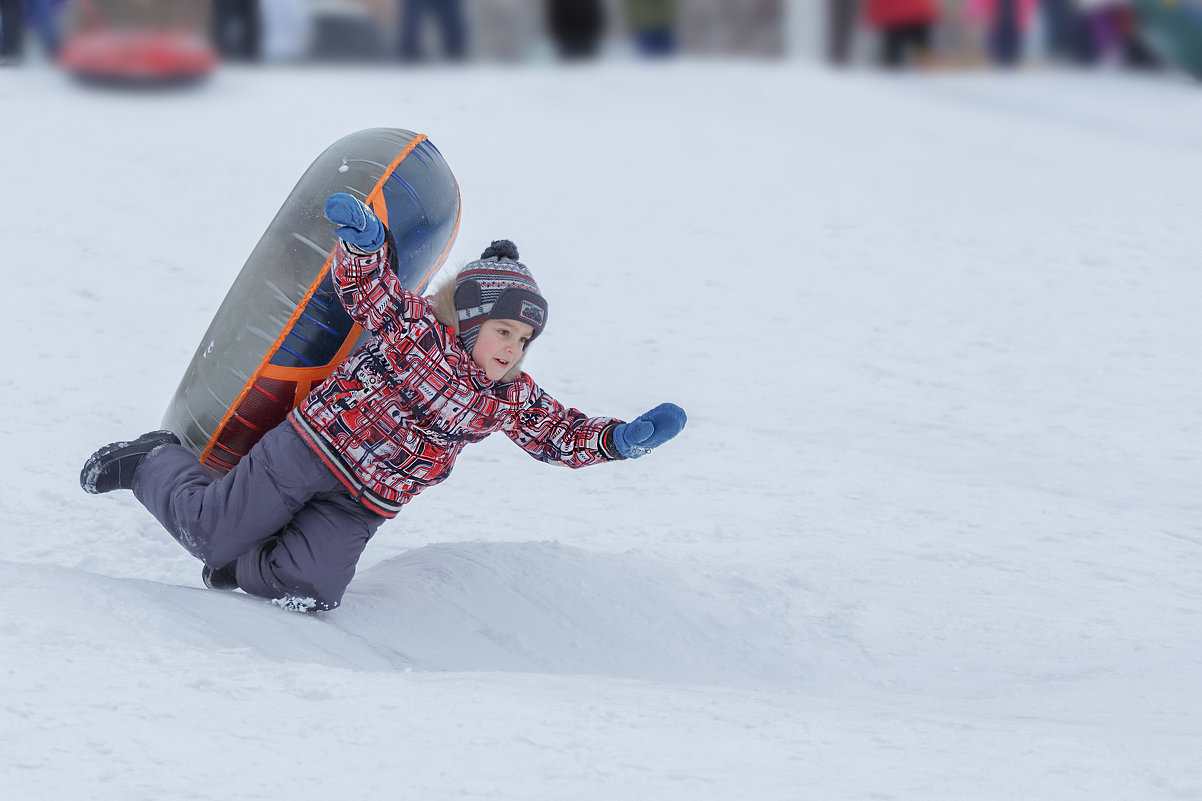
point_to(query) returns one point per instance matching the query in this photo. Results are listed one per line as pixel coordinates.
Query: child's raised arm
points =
(355, 222)
(368, 289)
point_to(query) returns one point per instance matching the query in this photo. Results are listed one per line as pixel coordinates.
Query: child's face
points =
(499, 345)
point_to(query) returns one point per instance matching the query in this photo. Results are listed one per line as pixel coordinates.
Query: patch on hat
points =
(531, 313)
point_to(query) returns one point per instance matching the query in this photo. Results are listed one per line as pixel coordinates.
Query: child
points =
(291, 520)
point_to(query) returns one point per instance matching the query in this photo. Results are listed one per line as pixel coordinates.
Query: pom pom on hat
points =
(501, 249)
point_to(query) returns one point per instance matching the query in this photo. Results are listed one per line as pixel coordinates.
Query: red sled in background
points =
(137, 43)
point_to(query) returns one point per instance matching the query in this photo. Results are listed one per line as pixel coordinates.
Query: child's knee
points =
(215, 553)
(325, 595)
(305, 596)
(265, 573)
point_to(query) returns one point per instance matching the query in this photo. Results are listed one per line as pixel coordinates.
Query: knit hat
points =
(497, 287)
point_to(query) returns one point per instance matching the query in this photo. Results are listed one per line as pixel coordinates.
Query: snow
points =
(932, 531)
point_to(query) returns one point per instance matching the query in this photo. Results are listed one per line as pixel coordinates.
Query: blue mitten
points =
(649, 430)
(356, 224)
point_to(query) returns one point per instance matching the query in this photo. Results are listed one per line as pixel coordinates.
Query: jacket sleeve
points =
(371, 292)
(552, 433)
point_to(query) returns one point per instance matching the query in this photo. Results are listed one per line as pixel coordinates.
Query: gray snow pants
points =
(293, 528)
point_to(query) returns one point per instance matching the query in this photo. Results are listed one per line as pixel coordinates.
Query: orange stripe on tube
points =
(442, 257)
(275, 346)
(376, 196)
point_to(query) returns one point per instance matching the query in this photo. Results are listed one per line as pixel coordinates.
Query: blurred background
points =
(184, 39)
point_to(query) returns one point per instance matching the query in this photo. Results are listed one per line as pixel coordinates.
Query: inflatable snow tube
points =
(281, 328)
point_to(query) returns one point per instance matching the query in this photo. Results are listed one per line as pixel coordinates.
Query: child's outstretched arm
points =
(550, 432)
(366, 286)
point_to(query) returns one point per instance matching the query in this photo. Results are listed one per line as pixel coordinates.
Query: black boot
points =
(223, 578)
(112, 467)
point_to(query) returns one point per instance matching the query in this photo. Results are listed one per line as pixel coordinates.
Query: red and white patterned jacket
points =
(392, 419)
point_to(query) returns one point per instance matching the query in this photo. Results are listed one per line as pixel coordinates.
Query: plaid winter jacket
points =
(392, 419)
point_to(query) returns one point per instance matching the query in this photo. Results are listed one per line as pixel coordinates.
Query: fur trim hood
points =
(442, 301)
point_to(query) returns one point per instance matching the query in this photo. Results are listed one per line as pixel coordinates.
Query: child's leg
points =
(1107, 31)
(921, 38)
(12, 28)
(315, 554)
(218, 519)
(893, 48)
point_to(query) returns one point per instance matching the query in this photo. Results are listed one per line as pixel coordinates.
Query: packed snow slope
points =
(932, 531)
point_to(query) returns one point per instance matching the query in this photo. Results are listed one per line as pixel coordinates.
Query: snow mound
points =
(543, 607)
(531, 607)
(105, 619)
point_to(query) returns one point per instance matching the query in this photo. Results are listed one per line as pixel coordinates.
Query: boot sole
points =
(98, 461)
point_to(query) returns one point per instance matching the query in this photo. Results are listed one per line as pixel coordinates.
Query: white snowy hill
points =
(933, 530)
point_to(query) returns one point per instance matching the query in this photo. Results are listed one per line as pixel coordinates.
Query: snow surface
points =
(932, 531)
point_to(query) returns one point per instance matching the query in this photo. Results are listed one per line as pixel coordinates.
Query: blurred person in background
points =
(1005, 32)
(1085, 32)
(13, 15)
(1108, 28)
(1062, 30)
(1005, 24)
(12, 31)
(841, 18)
(238, 29)
(447, 15)
(1009, 22)
(653, 26)
(906, 29)
(576, 27)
